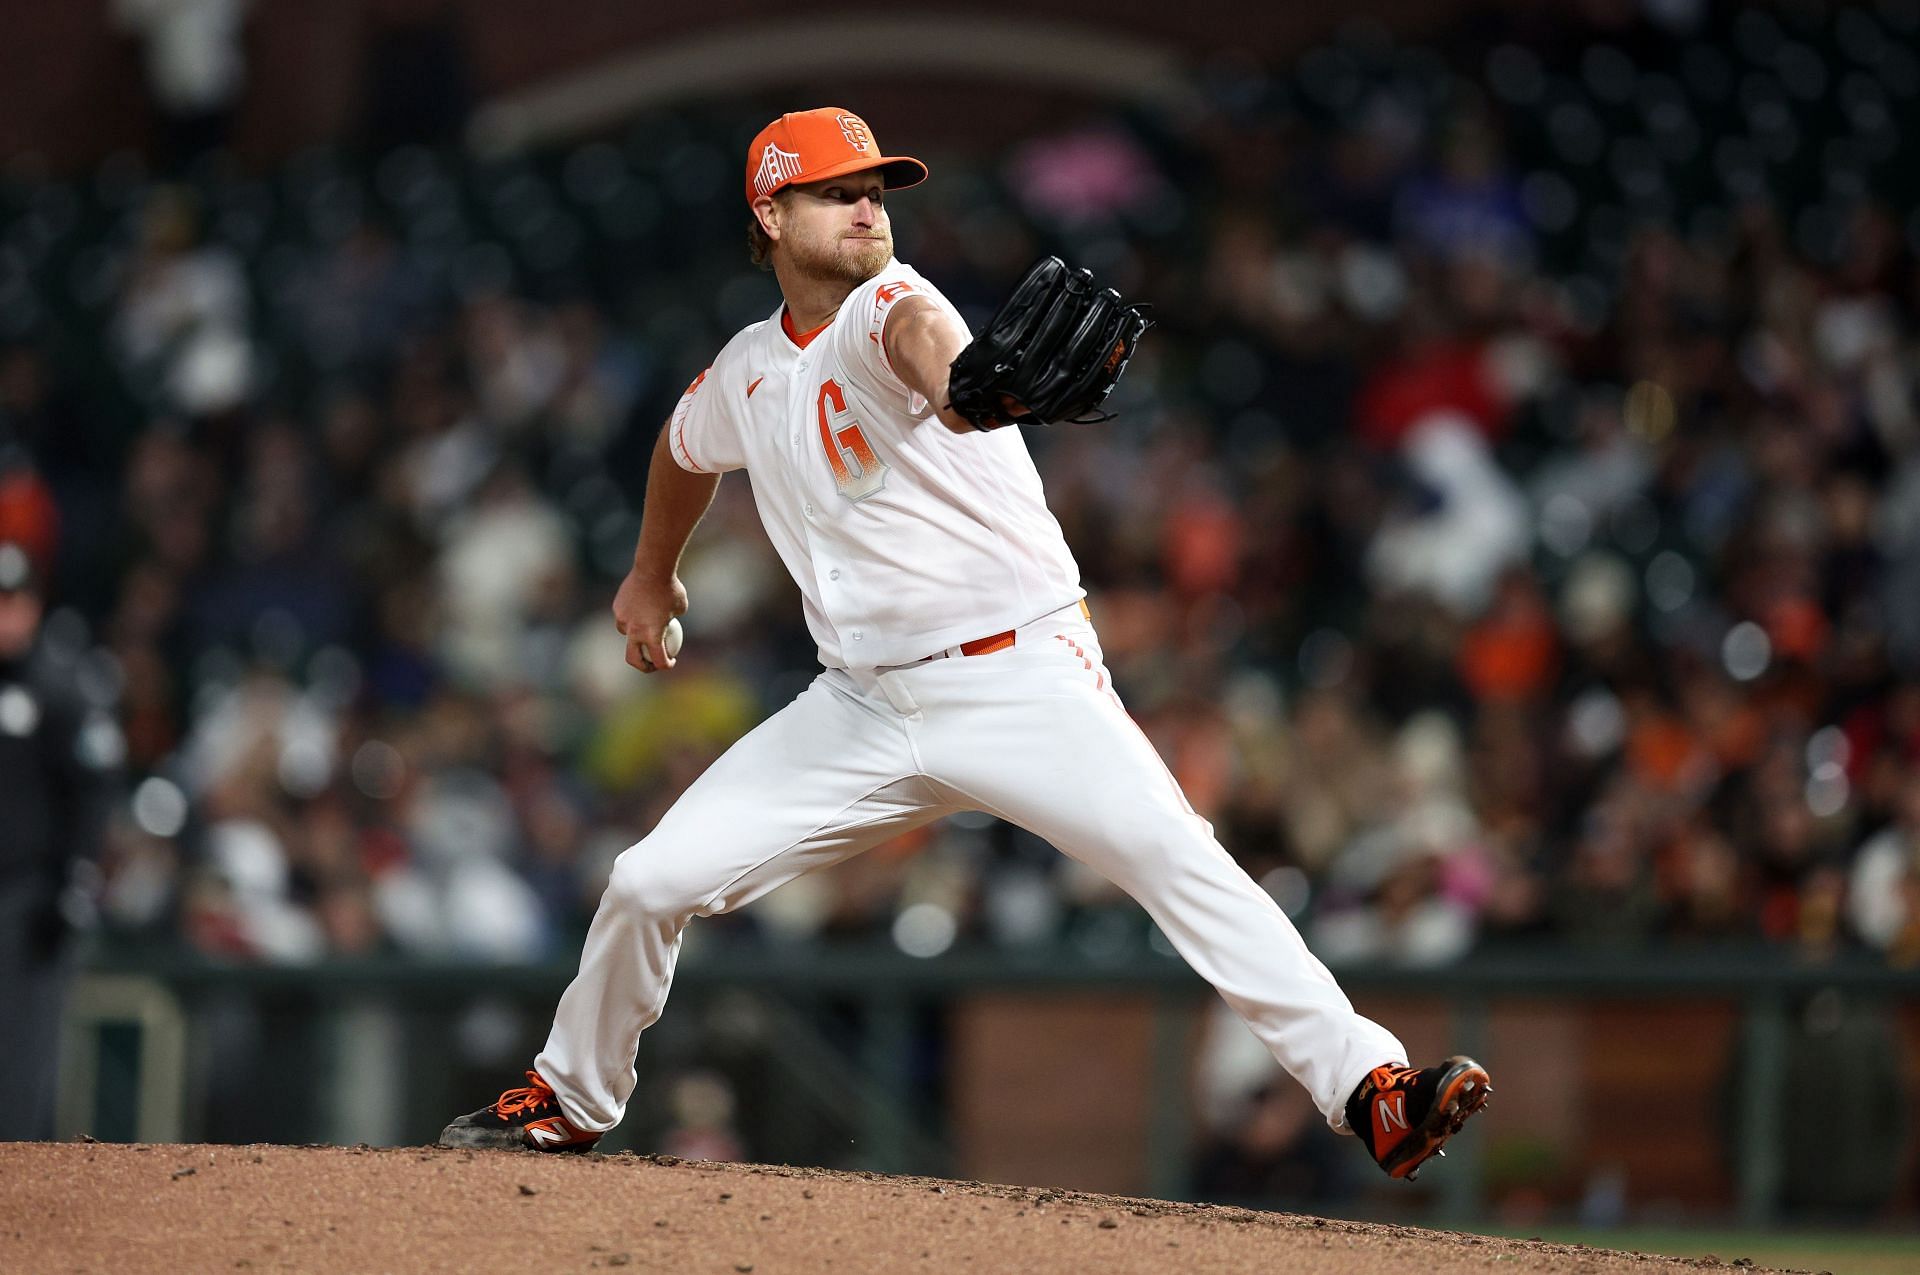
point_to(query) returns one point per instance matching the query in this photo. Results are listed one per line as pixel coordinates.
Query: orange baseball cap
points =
(809, 146)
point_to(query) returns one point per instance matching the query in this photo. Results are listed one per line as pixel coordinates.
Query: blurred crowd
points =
(1511, 531)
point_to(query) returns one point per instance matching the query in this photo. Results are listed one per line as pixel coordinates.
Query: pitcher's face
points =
(834, 229)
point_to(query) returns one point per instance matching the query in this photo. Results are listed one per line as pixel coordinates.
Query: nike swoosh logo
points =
(755, 385)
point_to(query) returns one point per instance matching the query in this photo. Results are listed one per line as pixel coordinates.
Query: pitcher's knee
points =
(1159, 850)
(645, 882)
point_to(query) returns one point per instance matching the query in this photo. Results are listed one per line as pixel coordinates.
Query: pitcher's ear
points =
(766, 211)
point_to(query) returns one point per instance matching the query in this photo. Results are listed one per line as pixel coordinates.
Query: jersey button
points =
(834, 574)
(809, 509)
(857, 635)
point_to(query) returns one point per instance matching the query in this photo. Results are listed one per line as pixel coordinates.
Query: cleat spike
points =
(1442, 1153)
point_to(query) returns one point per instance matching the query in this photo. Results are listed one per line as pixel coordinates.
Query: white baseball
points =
(671, 638)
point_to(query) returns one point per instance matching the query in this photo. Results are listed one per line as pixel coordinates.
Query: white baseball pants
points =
(1032, 734)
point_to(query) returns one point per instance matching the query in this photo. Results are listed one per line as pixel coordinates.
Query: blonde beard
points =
(836, 263)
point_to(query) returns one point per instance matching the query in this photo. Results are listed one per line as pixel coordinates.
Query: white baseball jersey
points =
(904, 537)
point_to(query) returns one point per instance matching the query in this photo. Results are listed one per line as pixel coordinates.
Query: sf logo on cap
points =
(854, 129)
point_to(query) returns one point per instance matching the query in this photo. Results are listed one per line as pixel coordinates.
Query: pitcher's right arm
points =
(652, 593)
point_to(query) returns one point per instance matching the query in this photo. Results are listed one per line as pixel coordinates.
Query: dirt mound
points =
(105, 1207)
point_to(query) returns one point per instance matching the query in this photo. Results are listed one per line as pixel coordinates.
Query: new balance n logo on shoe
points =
(1393, 1111)
(549, 1133)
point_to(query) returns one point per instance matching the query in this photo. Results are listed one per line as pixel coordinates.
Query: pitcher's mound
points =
(334, 1210)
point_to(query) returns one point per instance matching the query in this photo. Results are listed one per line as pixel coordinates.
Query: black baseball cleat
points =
(1406, 1114)
(517, 1120)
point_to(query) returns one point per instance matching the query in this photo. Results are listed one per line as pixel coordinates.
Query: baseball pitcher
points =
(961, 668)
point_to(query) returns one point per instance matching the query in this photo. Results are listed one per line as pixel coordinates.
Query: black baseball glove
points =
(1053, 352)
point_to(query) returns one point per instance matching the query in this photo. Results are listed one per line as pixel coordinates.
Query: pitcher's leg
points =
(1057, 754)
(820, 781)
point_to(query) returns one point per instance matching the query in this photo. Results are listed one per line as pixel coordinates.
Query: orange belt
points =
(998, 642)
(988, 645)
(979, 646)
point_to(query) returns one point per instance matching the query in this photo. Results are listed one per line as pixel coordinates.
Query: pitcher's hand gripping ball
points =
(1053, 352)
(670, 638)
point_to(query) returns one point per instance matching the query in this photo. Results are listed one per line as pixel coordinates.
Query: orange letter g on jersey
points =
(857, 471)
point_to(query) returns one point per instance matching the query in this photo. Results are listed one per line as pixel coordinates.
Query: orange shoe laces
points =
(514, 1101)
(1380, 1078)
